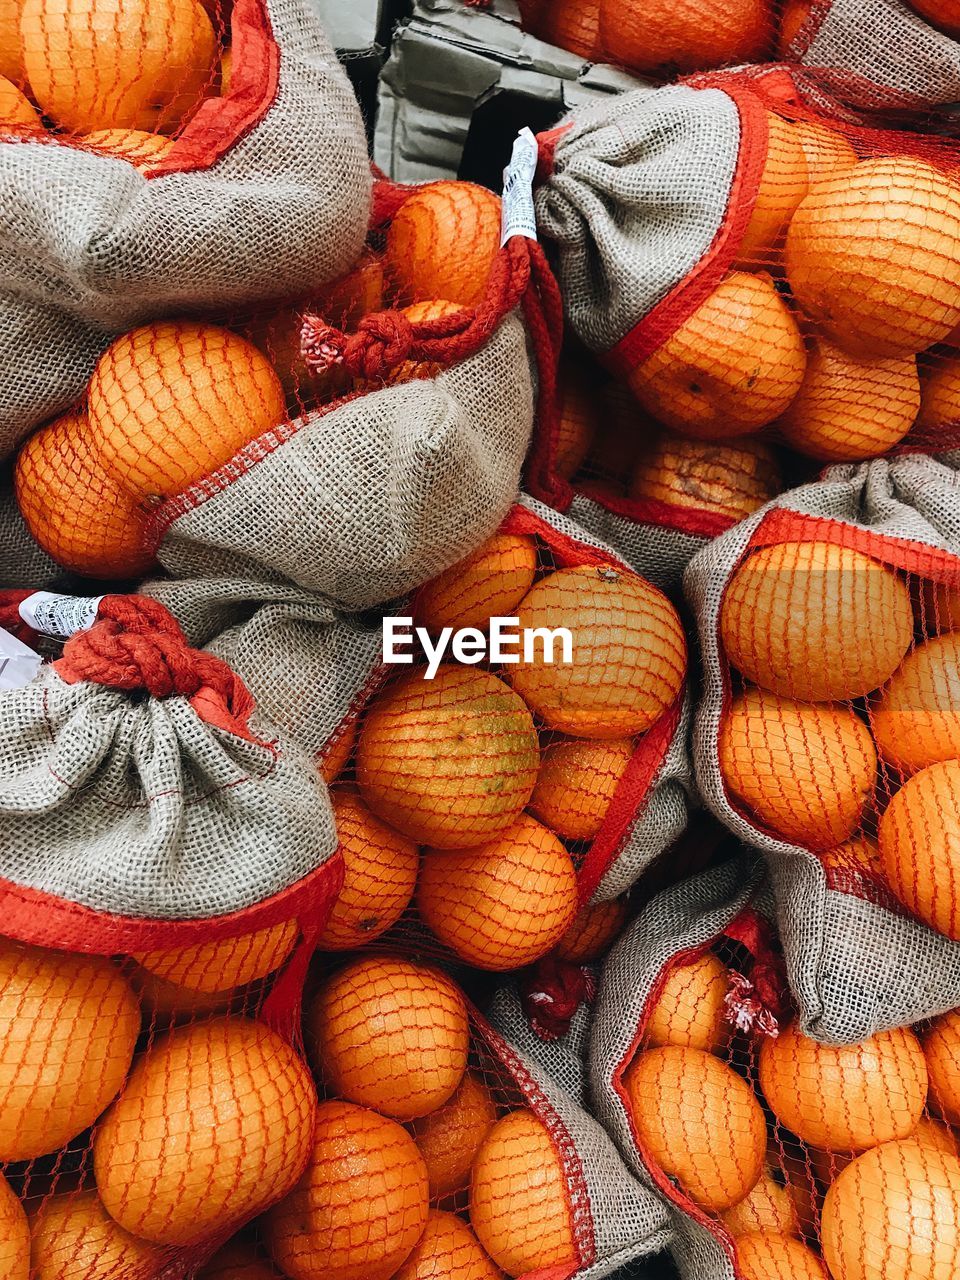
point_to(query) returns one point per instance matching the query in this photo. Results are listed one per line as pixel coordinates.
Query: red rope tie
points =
(552, 992)
(759, 1002)
(10, 619)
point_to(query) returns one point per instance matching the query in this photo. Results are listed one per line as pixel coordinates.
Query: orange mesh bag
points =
(161, 185)
(775, 287)
(826, 732)
(169, 860)
(780, 1156)
(353, 465)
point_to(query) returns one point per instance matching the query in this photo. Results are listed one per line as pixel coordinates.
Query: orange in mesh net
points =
(941, 1048)
(768, 1208)
(919, 838)
(629, 652)
(769, 1256)
(450, 761)
(593, 932)
(662, 38)
(503, 904)
(117, 64)
(321, 1233)
(142, 149)
(688, 1012)
(793, 616)
(213, 967)
(794, 15)
(782, 185)
(442, 242)
(391, 1035)
(14, 1236)
(450, 1137)
(15, 108)
(68, 1028)
(11, 56)
(338, 752)
(73, 1235)
(730, 480)
(164, 1000)
(518, 1197)
(940, 396)
(916, 718)
(490, 583)
(447, 1248)
(379, 875)
(578, 778)
(215, 1122)
(238, 1262)
(578, 418)
(826, 152)
(733, 367)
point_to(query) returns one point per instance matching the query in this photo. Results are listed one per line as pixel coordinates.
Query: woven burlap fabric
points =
(625, 1218)
(854, 967)
(22, 563)
(881, 53)
(365, 502)
(659, 554)
(690, 914)
(139, 807)
(90, 247)
(639, 189)
(565, 1059)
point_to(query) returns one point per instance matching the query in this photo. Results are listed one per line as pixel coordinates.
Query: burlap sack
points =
(858, 961)
(264, 195)
(878, 54)
(22, 563)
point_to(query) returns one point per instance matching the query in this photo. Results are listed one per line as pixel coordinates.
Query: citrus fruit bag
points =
(168, 185)
(779, 1155)
(826, 732)
(878, 54)
(773, 288)
(168, 860)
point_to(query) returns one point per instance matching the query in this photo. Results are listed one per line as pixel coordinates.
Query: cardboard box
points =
(361, 32)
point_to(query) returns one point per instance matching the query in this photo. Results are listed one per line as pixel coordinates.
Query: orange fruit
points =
(769, 1207)
(11, 54)
(875, 261)
(894, 1213)
(226, 71)
(238, 1262)
(577, 780)
(827, 153)
(815, 621)
(793, 16)
(490, 583)
(859, 854)
(337, 754)
(73, 1235)
(578, 417)
(594, 930)
(941, 1048)
(221, 965)
(519, 1201)
(572, 25)
(391, 1035)
(689, 1011)
(698, 1122)
(447, 1250)
(450, 761)
(628, 648)
(782, 186)
(940, 395)
(940, 607)
(931, 1133)
(14, 1237)
(845, 1098)
(769, 1256)
(214, 1124)
(944, 14)
(805, 770)
(503, 904)
(15, 107)
(75, 509)
(171, 402)
(361, 1205)
(68, 1027)
(142, 149)
(729, 480)
(379, 875)
(919, 838)
(450, 1137)
(731, 368)
(916, 721)
(161, 1000)
(442, 242)
(851, 407)
(661, 38)
(117, 64)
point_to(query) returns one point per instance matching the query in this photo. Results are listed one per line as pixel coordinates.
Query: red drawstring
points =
(760, 1001)
(10, 619)
(551, 992)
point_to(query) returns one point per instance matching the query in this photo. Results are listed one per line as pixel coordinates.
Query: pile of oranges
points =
(809, 1161)
(477, 793)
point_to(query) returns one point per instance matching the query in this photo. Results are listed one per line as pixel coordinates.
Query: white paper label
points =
(59, 616)
(18, 662)
(517, 216)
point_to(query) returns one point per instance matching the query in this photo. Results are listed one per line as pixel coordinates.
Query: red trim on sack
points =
(547, 143)
(42, 919)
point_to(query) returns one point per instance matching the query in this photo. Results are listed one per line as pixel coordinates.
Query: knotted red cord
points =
(760, 1001)
(10, 619)
(552, 992)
